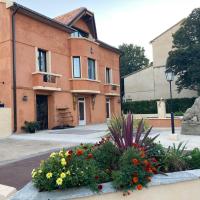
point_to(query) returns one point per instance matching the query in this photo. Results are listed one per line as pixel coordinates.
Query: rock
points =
(190, 128)
(191, 123)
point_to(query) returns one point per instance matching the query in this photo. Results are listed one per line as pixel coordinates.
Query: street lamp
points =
(170, 77)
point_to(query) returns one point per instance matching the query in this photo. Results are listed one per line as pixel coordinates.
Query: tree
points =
(184, 59)
(132, 59)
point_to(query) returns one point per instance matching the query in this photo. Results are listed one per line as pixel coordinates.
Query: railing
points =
(46, 81)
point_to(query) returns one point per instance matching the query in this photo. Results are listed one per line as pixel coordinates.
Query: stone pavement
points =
(165, 138)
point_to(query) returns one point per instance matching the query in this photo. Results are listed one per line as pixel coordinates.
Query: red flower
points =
(148, 169)
(100, 187)
(135, 161)
(79, 152)
(154, 170)
(90, 156)
(70, 152)
(139, 187)
(96, 177)
(135, 145)
(135, 179)
(154, 160)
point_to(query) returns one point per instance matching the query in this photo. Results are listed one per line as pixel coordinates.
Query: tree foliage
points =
(184, 59)
(133, 58)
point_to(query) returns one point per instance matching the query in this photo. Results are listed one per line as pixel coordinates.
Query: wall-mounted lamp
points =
(91, 50)
(93, 100)
(74, 101)
(25, 98)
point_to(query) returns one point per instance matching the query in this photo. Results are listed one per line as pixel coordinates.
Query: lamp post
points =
(170, 77)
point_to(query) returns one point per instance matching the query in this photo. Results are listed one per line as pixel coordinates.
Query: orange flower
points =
(135, 179)
(146, 162)
(139, 187)
(142, 154)
(135, 161)
(79, 152)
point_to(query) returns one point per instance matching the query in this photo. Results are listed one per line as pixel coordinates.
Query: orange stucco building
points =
(56, 71)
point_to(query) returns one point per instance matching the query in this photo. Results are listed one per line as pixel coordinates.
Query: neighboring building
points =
(150, 83)
(56, 71)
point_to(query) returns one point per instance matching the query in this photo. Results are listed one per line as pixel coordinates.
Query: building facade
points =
(56, 71)
(150, 83)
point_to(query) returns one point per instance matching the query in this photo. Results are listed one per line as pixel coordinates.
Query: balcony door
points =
(82, 111)
(42, 111)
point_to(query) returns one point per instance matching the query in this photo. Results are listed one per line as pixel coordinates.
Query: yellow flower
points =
(34, 174)
(33, 171)
(68, 173)
(40, 171)
(63, 162)
(61, 153)
(49, 175)
(62, 175)
(53, 155)
(59, 181)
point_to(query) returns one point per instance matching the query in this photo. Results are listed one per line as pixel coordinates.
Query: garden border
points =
(31, 193)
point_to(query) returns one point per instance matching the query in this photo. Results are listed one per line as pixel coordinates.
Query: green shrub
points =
(68, 169)
(107, 156)
(175, 159)
(30, 127)
(193, 159)
(150, 107)
(135, 170)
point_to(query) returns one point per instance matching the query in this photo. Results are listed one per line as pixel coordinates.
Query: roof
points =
(67, 18)
(180, 22)
(40, 17)
(63, 22)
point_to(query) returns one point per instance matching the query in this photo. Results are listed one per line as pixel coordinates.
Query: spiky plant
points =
(123, 134)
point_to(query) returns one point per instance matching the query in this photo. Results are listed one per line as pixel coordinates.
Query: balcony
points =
(46, 81)
(111, 90)
(85, 86)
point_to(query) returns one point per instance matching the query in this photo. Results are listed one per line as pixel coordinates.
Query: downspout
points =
(14, 70)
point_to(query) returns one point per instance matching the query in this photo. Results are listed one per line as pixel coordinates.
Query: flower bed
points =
(126, 158)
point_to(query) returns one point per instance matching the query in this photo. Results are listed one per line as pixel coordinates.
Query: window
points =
(91, 69)
(79, 34)
(42, 60)
(108, 75)
(76, 67)
(107, 108)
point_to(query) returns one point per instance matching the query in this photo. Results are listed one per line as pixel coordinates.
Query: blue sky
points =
(123, 21)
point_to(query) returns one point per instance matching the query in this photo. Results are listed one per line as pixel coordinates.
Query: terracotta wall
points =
(32, 34)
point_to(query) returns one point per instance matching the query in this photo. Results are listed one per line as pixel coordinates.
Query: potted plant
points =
(30, 127)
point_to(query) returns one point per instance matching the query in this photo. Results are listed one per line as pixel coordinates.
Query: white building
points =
(150, 83)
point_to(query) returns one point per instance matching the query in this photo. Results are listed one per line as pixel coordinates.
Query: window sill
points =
(47, 73)
(112, 84)
(84, 79)
(87, 39)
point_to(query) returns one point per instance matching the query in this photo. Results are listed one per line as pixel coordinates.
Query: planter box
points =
(176, 186)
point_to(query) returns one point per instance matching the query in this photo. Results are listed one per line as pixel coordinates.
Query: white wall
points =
(5, 122)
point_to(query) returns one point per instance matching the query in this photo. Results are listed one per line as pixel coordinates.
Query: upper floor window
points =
(91, 69)
(79, 33)
(108, 75)
(42, 60)
(76, 67)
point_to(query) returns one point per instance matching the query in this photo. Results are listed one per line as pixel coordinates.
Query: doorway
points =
(42, 111)
(81, 109)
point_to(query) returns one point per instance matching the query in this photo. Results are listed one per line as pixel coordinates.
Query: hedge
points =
(150, 107)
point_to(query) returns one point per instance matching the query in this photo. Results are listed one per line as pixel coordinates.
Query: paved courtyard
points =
(19, 154)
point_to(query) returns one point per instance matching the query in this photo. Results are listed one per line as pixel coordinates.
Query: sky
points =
(123, 21)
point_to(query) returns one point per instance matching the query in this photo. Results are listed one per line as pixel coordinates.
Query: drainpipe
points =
(14, 69)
